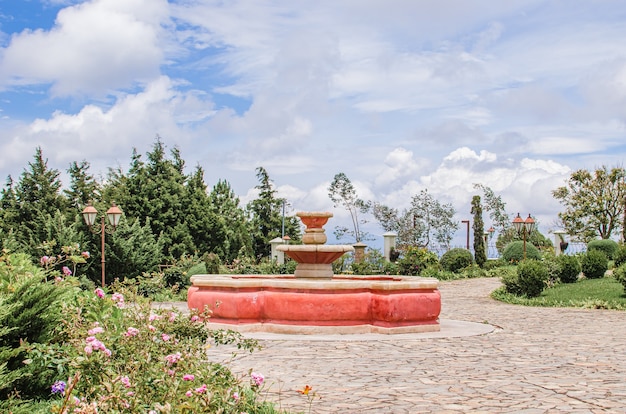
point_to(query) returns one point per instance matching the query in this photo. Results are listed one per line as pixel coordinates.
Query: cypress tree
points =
(480, 255)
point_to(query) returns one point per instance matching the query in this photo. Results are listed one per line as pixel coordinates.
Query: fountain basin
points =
(314, 260)
(285, 304)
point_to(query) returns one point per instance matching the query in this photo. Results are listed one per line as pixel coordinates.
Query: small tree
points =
(342, 193)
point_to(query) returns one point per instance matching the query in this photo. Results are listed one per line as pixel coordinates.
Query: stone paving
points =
(536, 360)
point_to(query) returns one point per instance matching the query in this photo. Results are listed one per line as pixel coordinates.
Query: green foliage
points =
(593, 202)
(374, 263)
(530, 279)
(266, 218)
(535, 238)
(514, 252)
(619, 274)
(343, 194)
(31, 311)
(212, 263)
(569, 268)
(456, 259)
(620, 255)
(480, 252)
(131, 251)
(494, 264)
(605, 293)
(607, 246)
(136, 358)
(415, 260)
(426, 220)
(594, 264)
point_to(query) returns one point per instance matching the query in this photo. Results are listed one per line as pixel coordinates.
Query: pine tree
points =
(225, 206)
(265, 221)
(83, 187)
(38, 196)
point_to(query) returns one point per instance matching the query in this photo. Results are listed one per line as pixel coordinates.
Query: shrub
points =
(456, 259)
(620, 255)
(529, 280)
(491, 264)
(415, 260)
(514, 252)
(31, 311)
(594, 264)
(569, 268)
(620, 275)
(212, 263)
(607, 246)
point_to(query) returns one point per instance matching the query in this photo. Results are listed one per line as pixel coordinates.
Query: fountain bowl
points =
(343, 304)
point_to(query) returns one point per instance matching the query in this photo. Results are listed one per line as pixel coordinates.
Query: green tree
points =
(225, 206)
(265, 217)
(155, 192)
(38, 196)
(426, 220)
(480, 254)
(343, 194)
(83, 187)
(205, 227)
(496, 208)
(594, 202)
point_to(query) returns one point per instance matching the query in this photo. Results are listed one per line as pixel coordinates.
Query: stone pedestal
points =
(389, 243)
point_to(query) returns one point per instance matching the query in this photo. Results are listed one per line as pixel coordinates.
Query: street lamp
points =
(114, 214)
(524, 228)
(467, 234)
(488, 234)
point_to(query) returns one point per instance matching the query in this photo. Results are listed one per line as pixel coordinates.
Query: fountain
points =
(313, 300)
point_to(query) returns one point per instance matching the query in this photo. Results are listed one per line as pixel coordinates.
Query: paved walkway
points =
(536, 360)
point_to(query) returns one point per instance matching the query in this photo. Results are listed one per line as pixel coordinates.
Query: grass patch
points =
(604, 293)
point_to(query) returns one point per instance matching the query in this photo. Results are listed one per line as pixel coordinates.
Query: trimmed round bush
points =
(415, 260)
(530, 279)
(456, 259)
(609, 247)
(620, 256)
(514, 252)
(594, 264)
(568, 269)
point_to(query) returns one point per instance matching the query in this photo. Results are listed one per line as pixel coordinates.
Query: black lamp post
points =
(114, 214)
(524, 228)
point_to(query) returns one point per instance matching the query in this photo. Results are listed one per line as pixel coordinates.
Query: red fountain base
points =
(355, 304)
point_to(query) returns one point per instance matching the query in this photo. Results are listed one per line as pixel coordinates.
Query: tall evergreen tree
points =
(38, 196)
(225, 205)
(265, 217)
(480, 254)
(83, 186)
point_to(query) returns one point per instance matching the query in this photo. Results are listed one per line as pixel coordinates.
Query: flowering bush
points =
(125, 358)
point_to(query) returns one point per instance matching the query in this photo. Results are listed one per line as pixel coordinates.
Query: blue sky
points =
(399, 95)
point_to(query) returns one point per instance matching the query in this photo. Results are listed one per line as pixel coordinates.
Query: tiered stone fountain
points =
(313, 300)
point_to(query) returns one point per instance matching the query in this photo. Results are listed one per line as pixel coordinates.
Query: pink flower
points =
(188, 377)
(172, 316)
(152, 328)
(257, 378)
(188, 394)
(45, 260)
(119, 299)
(202, 389)
(195, 318)
(131, 332)
(95, 330)
(99, 293)
(85, 255)
(125, 382)
(66, 271)
(171, 359)
(171, 372)
(236, 396)
(153, 317)
(88, 349)
(165, 337)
